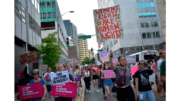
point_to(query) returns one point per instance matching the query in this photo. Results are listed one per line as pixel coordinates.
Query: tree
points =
(50, 50)
(87, 60)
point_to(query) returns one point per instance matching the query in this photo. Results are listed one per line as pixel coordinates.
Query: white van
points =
(144, 55)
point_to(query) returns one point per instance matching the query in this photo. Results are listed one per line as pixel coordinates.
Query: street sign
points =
(84, 37)
(99, 50)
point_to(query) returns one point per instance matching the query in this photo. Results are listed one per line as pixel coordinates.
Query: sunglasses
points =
(34, 74)
(142, 63)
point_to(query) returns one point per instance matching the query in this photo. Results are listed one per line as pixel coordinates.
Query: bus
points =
(145, 55)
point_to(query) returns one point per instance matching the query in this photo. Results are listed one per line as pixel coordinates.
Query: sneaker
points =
(89, 91)
(97, 90)
(161, 93)
(86, 90)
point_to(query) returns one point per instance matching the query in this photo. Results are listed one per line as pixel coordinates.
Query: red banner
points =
(31, 91)
(65, 90)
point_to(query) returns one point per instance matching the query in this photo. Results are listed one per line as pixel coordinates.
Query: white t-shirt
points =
(86, 74)
(159, 64)
(48, 81)
(70, 71)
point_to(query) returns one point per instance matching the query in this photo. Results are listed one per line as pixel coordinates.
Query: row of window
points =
(147, 24)
(20, 11)
(34, 25)
(36, 4)
(147, 14)
(145, 5)
(48, 15)
(48, 4)
(149, 34)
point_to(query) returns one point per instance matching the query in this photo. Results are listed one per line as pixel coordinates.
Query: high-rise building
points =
(71, 30)
(141, 26)
(83, 48)
(51, 21)
(27, 33)
(161, 5)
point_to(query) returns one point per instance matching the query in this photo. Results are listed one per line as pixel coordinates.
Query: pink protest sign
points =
(95, 69)
(134, 69)
(47, 76)
(109, 74)
(65, 90)
(113, 60)
(31, 91)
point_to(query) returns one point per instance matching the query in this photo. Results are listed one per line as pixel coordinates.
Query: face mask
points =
(106, 67)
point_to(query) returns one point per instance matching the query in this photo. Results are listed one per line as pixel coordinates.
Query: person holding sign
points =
(60, 68)
(123, 77)
(143, 87)
(47, 77)
(87, 77)
(36, 79)
(95, 75)
(108, 84)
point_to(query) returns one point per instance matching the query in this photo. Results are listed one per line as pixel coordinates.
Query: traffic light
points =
(67, 42)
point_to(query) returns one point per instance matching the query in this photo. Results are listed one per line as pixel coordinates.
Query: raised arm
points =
(74, 67)
(111, 63)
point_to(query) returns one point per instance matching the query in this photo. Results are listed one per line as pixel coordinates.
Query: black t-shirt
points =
(71, 77)
(143, 79)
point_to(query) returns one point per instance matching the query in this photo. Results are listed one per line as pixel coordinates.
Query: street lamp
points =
(68, 12)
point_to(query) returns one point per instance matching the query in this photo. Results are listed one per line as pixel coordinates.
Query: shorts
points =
(108, 83)
(48, 88)
(95, 77)
(156, 77)
(77, 79)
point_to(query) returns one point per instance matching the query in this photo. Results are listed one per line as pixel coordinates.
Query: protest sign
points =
(60, 77)
(95, 69)
(104, 56)
(108, 23)
(28, 58)
(31, 91)
(116, 58)
(65, 90)
(109, 74)
(113, 60)
(134, 69)
(130, 59)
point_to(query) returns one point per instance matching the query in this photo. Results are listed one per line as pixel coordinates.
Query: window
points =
(48, 3)
(149, 14)
(154, 14)
(154, 34)
(155, 24)
(151, 4)
(53, 4)
(147, 24)
(144, 14)
(147, 5)
(138, 5)
(32, 2)
(49, 15)
(138, 48)
(140, 15)
(142, 25)
(151, 47)
(145, 47)
(132, 48)
(44, 15)
(148, 35)
(152, 24)
(23, 14)
(144, 35)
(143, 5)
(17, 8)
(42, 3)
(157, 34)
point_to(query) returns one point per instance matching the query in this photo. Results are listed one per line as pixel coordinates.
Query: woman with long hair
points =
(60, 68)
(95, 76)
(123, 77)
(142, 83)
(87, 78)
(108, 84)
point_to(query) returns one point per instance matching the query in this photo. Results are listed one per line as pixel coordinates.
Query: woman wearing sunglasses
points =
(108, 84)
(60, 68)
(123, 77)
(143, 87)
(36, 79)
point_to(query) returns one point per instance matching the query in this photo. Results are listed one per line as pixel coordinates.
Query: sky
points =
(82, 17)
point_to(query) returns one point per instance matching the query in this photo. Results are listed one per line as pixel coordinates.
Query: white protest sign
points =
(130, 59)
(60, 77)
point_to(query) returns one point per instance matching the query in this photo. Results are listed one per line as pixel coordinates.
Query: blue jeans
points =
(108, 83)
(148, 94)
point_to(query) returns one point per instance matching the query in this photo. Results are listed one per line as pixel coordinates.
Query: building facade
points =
(51, 21)
(141, 26)
(71, 30)
(161, 5)
(83, 48)
(27, 33)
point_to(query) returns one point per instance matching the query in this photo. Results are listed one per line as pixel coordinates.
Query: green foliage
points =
(50, 51)
(87, 60)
